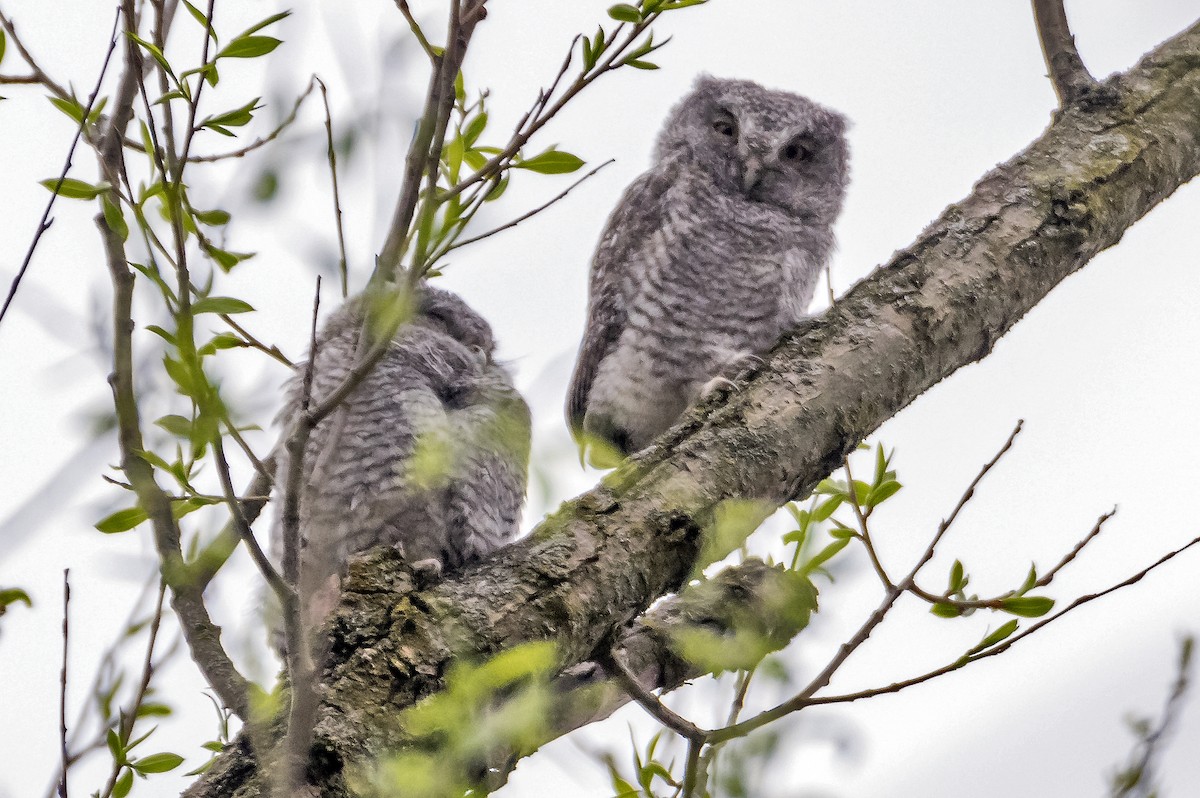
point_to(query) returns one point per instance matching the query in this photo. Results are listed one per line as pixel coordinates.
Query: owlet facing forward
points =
(708, 258)
(428, 454)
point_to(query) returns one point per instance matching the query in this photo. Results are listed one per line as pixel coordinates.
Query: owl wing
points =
(621, 259)
(490, 437)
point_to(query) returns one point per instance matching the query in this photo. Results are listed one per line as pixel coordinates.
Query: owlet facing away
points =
(708, 258)
(429, 453)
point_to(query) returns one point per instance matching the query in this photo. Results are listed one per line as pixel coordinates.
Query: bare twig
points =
(651, 703)
(62, 694)
(129, 718)
(1047, 577)
(271, 351)
(1139, 774)
(281, 589)
(1069, 76)
(528, 214)
(331, 156)
(46, 221)
(39, 75)
(202, 570)
(302, 709)
(257, 143)
(416, 30)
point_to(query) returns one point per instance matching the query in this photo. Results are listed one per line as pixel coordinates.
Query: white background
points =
(1104, 371)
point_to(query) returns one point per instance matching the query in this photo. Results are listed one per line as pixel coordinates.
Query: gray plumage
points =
(708, 258)
(429, 453)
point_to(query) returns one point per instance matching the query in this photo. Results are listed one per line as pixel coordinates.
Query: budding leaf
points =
(249, 47)
(122, 520)
(221, 304)
(75, 189)
(1027, 606)
(551, 162)
(623, 12)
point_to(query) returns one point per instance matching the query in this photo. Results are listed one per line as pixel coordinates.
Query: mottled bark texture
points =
(600, 560)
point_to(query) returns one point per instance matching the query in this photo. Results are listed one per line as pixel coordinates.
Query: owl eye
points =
(725, 125)
(795, 152)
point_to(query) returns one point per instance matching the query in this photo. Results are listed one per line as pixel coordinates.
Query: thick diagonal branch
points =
(938, 305)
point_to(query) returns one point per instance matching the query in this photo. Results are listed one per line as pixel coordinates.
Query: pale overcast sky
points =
(1104, 371)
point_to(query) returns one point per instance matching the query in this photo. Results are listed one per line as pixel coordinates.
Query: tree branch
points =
(600, 560)
(1070, 77)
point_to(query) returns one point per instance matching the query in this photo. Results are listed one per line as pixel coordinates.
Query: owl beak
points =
(752, 174)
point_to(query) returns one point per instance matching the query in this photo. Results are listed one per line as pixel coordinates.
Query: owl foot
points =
(714, 384)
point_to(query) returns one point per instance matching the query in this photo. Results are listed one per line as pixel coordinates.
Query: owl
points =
(428, 454)
(709, 256)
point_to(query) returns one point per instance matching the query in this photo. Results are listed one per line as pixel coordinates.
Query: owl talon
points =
(714, 384)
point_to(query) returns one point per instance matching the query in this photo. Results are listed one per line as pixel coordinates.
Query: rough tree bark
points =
(600, 560)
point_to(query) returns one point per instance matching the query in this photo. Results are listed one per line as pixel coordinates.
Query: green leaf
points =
(824, 555)
(157, 763)
(3, 44)
(123, 784)
(551, 162)
(497, 191)
(216, 746)
(71, 107)
(161, 333)
(122, 520)
(956, 577)
(235, 118)
(271, 20)
(474, 129)
(154, 51)
(882, 492)
(153, 710)
(249, 47)
(176, 425)
(114, 745)
(1003, 633)
(1030, 580)
(11, 595)
(222, 341)
(1027, 606)
(623, 12)
(826, 508)
(224, 258)
(945, 610)
(114, 218)
(214, 218)
(200, 17)
(75, 189)
(221, 304)
(638, 64)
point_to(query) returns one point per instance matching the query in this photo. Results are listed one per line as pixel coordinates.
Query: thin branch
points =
(130, 717)
(259, 142)
(202, 635)
(691, 770)
(527, 215)
(40, 76)
(62, 693)
(651, 703)
(416, 30)
(281, 589)
(46, 221)
(331, 156)
(1069, 76)
(204, 568)
(1047, 577)
(944, 525)
(271, 351)
(302, 709)
(17, 80)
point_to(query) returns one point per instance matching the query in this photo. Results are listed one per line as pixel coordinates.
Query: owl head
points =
(447, 313)
(769, 146)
